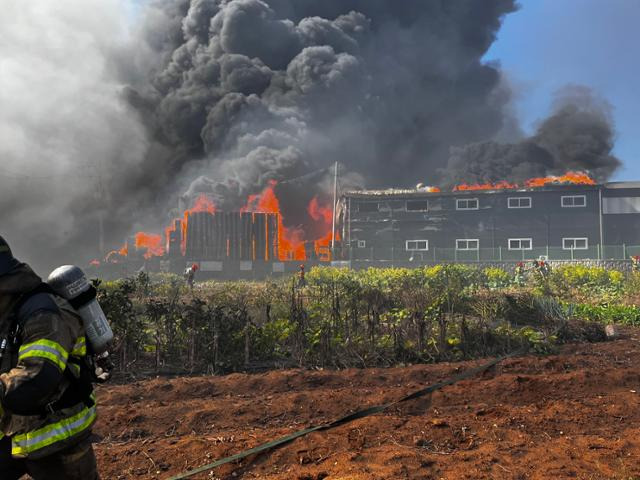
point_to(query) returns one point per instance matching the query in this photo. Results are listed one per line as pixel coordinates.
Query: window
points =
(467, 244)
(520, 244)
(417, 245)
(467, 204)
(519, 202)
(417, 205)
(368, 207)
(575, 244)
(362, 244)
(620, 205)
(572, 201)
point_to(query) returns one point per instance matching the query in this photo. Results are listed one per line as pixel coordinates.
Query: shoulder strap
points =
(36, 300)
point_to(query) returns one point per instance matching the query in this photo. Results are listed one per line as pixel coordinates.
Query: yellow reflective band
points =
(80, 348)
(4, 249)
(48, 349)
(29, 442)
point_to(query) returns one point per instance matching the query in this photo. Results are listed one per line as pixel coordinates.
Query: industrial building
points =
(556, 221)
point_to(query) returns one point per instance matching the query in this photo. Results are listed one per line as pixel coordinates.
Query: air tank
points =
(71, 283)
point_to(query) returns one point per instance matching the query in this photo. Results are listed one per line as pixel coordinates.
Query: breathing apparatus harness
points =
(92, 368)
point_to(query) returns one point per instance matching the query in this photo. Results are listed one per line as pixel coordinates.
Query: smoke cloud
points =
(238, 93)
(111, 115)
(578, 136)
(67, 139)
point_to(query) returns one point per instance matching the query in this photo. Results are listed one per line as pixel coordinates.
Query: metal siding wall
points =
(621, 228)
(547, 222)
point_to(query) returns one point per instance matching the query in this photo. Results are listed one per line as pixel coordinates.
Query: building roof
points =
(398, 192)
(622, 185)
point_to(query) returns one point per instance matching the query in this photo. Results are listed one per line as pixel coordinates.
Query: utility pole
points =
(335, 200)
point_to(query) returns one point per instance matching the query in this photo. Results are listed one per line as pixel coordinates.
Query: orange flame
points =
(320, 212)
(203, 204)
(112, 257)
(153, 244)
(323, 213)
(574, 178)
(290, 240)
(504, 185)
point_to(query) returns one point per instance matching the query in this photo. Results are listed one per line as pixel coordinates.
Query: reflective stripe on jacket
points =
(80, 418)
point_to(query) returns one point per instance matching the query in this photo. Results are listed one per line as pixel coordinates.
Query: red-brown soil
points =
(571, 415)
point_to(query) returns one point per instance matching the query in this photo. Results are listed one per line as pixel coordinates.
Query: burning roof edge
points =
(415, 192)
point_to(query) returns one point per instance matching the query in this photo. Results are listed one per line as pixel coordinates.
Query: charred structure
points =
(229, 235)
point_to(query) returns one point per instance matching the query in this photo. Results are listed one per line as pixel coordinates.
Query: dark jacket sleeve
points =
(46, 342)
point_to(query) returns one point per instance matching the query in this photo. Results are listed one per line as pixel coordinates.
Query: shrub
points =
(496, 278)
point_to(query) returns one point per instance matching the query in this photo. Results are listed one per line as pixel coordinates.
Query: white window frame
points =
(362, 244)
(406, 206)
(573, 197)
(417, 249)
(519, 199)
(530, 240)
(574, 239)
(458, 200)
(467, 248)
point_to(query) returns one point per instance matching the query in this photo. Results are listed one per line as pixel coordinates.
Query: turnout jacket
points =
(45, 406)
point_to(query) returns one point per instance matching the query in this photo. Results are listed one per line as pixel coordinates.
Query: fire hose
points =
(348, 418)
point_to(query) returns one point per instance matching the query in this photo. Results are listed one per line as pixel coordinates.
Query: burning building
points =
(568, 217)
(252, 241)
(246, 236)
(565, 218)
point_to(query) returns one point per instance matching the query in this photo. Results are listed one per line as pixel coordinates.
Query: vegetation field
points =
(342, 318)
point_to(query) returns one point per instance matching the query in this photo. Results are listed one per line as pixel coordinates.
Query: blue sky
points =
(552, 43)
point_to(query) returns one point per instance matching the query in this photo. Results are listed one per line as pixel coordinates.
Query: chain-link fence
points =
(498, 254)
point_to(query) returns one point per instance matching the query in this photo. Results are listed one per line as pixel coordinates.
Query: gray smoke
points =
(578, 136)
(68, 142)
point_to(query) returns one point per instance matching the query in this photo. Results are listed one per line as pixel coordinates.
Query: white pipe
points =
(335, 199)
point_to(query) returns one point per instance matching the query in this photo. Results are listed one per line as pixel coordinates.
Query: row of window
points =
(473, 244)
(566, 201)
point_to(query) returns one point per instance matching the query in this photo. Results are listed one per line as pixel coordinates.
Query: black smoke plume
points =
(238, 93)
(578, 136)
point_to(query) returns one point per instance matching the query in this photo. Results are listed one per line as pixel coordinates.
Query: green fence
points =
(499, 254)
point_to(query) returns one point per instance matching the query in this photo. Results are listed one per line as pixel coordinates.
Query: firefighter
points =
(519, 274)
(302, 282)
(47, 406)
(635, 263)
(542, 268)
(190, 275)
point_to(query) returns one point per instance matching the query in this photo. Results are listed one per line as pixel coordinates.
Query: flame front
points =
(573, 178)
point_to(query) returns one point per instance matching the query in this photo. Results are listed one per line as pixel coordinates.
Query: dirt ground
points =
(571, 415)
